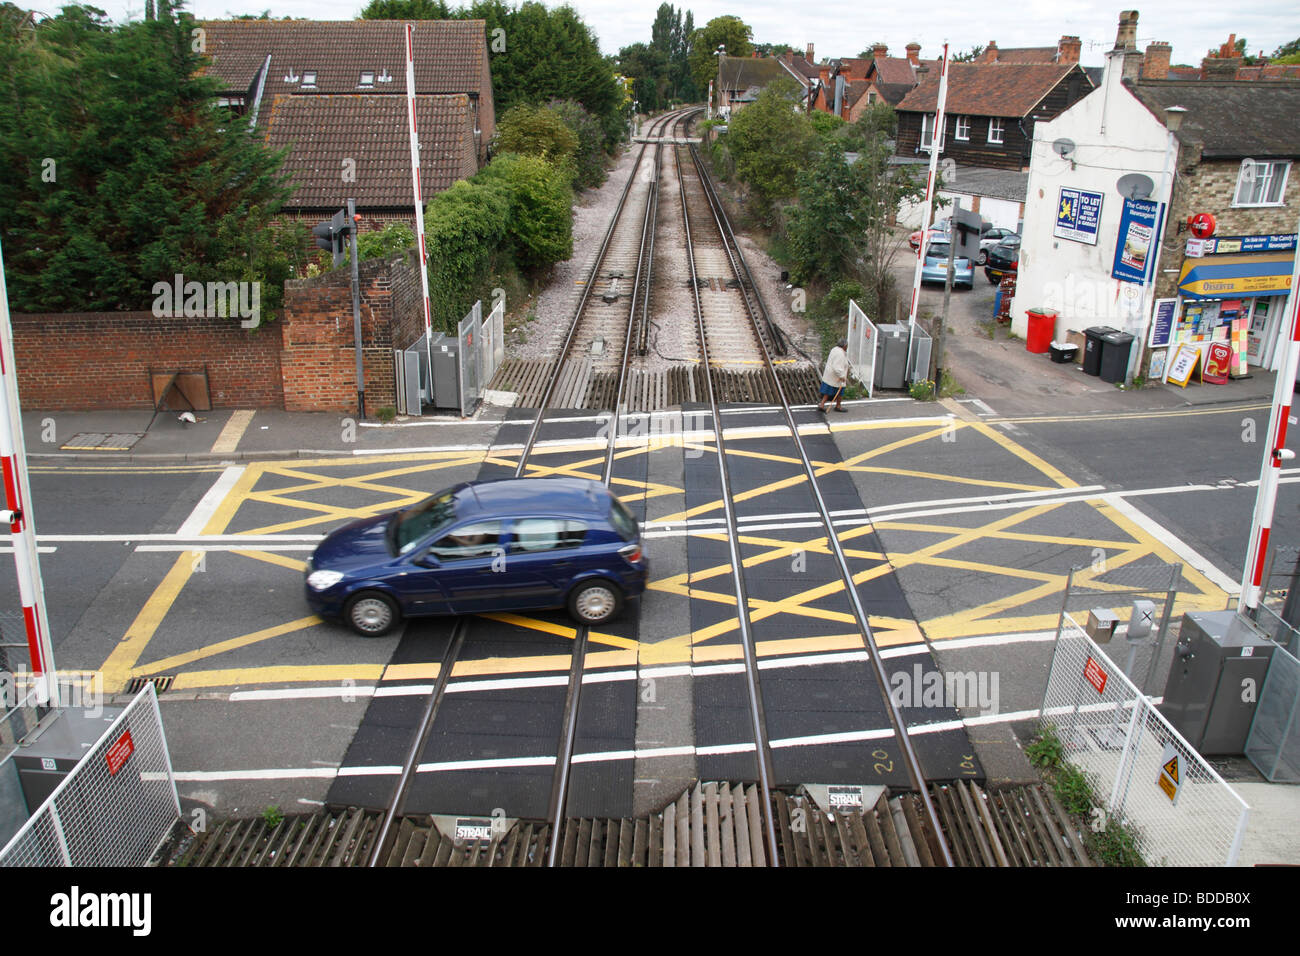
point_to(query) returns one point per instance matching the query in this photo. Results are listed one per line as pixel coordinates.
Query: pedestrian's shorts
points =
(829, 391)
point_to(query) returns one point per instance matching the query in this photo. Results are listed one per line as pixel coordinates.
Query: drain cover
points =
(101, 441)
(160, 684)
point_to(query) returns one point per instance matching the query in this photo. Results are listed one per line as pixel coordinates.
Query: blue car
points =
(513, 544)
(935, 268)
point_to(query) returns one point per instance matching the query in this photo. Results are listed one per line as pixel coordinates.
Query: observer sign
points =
(1078, 214)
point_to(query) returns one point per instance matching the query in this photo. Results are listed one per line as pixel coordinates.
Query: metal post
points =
(947, 296)
(356, 309)
(22, 527)
(1165, 618)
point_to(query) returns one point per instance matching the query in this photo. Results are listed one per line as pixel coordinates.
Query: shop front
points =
(1234, 290)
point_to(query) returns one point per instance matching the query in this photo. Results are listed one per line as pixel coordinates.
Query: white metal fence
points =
(862, 347)
(115, 808)
(482, 348)
(1117, 738)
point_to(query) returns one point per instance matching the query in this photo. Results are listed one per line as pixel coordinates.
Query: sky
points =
(1191, 26)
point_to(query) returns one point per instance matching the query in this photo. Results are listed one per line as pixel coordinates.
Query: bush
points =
(537, 131)
(539, 217)
(464, 226)
(589, 159)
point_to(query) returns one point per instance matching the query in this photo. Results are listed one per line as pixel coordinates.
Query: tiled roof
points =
(450, 55)
(1230, 119)
(801, 65)
(898, 70)
(855, 66)
(1184, 73)
(854, 90)
(743, 72)
(894, 92)
(988, 89)
(370, 128)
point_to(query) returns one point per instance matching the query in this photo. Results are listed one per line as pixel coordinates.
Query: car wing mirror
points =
(428, 560)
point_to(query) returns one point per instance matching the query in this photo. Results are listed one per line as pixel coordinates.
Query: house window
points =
(963, 127)
(871, 97)
(995, 131)
(1261, 184)
(927, 130)
(308, 78)
(367, 78)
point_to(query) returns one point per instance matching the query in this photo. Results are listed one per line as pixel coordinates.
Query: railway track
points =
(665, 369)
(530, 811)
(710, 824)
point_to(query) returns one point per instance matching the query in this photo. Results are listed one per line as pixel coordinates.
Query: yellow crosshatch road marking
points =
(1007, 609)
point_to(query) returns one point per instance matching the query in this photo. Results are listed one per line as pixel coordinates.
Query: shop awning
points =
(1223, 277)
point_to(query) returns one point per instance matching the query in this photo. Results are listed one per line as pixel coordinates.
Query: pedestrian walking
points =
(835, 376)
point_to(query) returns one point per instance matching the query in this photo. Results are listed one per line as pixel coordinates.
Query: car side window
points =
(477, 540)
(546, 534)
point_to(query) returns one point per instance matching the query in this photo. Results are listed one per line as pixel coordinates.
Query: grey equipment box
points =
(891, 356)
(1216, 654)
(56, 749)
(444, 350)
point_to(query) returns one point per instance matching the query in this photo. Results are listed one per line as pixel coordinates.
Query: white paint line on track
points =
(225, 547)
(211, 501)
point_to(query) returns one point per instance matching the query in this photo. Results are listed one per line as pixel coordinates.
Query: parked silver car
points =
(936, 267)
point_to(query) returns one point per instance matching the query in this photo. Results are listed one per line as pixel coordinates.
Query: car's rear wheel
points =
(372, 614)
(984, 257)
(595, 602)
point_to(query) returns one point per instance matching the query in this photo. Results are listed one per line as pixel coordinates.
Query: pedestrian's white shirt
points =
(836, 374)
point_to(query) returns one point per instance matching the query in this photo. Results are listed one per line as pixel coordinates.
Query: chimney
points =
(1126, 36)
(809, 54)
(990, 52)
(1220, 67)
(1229, 49)
(1155, 64)
(914, 53)
(1067, 50)
(879, 50)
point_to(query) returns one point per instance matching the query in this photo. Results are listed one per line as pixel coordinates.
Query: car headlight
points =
(320, 580)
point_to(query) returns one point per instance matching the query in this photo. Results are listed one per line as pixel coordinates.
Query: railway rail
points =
(759, 821)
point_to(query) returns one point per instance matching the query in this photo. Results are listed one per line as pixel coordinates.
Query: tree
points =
(970, 55)
(730, 32)
(769, 141)
(123, 172)
(537, 54)
(537, 131)
(1287, 50)
(590, 156)
(539, 216)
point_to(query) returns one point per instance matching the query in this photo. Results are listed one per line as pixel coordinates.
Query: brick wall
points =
(97, 360)
(1209, 186)
(319, 358)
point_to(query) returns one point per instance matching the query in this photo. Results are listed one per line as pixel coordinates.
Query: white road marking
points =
(1175, 544)
(211, 501)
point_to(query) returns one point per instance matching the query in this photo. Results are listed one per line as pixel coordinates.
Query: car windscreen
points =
(414, 523)
(622, 519)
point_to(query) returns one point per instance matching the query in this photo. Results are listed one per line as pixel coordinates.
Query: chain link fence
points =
(115, 808)
(1181, 811)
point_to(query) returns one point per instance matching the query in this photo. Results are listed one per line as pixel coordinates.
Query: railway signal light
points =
(333, 235)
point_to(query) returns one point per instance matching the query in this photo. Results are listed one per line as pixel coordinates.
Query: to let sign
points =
(1095, 676)
(119, 753)
(1078, 215)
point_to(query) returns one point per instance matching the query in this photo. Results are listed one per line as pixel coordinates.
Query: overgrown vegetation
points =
(1105, 839)
(660, 71)
(120, 171)
(827, 192)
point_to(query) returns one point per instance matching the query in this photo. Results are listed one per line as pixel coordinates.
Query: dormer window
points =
(308, 78)
(367, 78)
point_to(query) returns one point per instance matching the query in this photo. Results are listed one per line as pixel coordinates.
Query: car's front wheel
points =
(372, 614)
(984, 257)
(595, 602)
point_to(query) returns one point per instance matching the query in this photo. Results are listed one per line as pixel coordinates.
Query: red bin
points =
(1042, 327)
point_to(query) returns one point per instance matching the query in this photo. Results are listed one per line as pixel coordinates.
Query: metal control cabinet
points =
(1206, 696)
(446, 376)
(54, 752)
(891, 356)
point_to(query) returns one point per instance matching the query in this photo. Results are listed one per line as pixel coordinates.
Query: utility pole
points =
(947, 295)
